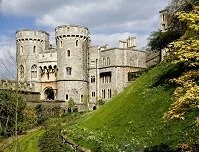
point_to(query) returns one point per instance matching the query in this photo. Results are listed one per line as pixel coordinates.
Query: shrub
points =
(51, 141)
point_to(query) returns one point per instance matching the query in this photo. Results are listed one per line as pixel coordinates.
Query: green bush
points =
(51, 141)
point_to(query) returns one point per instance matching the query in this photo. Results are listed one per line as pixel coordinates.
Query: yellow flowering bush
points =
(186, 51)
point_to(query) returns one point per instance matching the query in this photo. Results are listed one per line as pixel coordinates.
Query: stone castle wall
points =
(74, 69)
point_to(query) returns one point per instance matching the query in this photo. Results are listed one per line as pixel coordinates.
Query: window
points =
(61, 44)
(163, 17)
(105, 77)
(103, 94)
(34, 71)
(104, 61)
(68, 53)
(34, 49)
(82, 98)
(21, 69)
(76, 43)
(108, 61)
(21, 50)
(66, 96)
(109, 93)
(93, 94)
(133, 75)
(92, 79)
(68, 70)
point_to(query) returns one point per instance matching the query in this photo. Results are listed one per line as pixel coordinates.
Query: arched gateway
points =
(49, 93)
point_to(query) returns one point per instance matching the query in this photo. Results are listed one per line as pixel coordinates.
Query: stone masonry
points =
(75, 69)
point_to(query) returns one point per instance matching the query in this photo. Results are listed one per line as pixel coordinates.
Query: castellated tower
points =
(29, 43)
(72, 53)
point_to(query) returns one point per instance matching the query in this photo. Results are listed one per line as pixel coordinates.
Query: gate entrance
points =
(50, 95)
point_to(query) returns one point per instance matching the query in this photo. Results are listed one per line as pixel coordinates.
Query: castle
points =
(75, 69)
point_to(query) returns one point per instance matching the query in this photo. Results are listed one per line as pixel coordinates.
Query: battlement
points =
(71, 31)
(33, 35)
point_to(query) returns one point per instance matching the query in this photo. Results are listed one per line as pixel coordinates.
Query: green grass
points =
(134, 118)
(27, 143)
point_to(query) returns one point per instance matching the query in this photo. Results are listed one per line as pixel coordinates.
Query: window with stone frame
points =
(68, 53)
(34, 71)
(67, 97)
(21, 50)
(92, 79)
(61, 44)
(103, 94)
(108, 61)
(76, 43)
(68, 71)
(93, 94)
(82, 98)
(109, 93)
(21, 71)
(105, 77)
(34, 49)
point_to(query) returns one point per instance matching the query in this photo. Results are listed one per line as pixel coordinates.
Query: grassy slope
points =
(135, 116)
(28, 142)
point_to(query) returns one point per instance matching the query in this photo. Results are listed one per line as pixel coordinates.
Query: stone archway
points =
(49, 93)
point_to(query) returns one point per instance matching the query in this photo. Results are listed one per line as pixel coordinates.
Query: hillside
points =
(133, 120)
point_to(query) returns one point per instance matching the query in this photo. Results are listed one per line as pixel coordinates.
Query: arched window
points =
(21, 71)
(34, 49)
(68, 53)
(108, 61)
(68, 70)
(76, 43)
(34, 71)
(104, 61)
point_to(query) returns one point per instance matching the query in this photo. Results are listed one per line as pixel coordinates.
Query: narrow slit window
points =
(76, 43)
(34, 49)
(68, 53)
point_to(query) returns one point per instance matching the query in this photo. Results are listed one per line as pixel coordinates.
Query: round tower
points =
(29, 43)
(72, 48)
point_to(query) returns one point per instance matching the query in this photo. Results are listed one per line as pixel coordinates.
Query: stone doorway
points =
(49, 93)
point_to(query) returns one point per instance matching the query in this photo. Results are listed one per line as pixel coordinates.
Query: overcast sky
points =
(108, 20)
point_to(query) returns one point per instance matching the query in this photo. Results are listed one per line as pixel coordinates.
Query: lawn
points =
(26, 143)
(133, 120)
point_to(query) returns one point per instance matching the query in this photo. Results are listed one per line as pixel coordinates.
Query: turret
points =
(29, 43)
(72, 53)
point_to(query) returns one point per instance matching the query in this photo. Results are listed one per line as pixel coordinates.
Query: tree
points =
(185, 52)
(11, 103)
(159, 40)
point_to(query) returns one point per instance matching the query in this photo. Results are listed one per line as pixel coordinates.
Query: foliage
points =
(30, 118)
(51, 141)
(159, 40)
(71, 105)
(161, 148)
(41, 115)
(185, 51)
(11, 103)
(85, 102)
